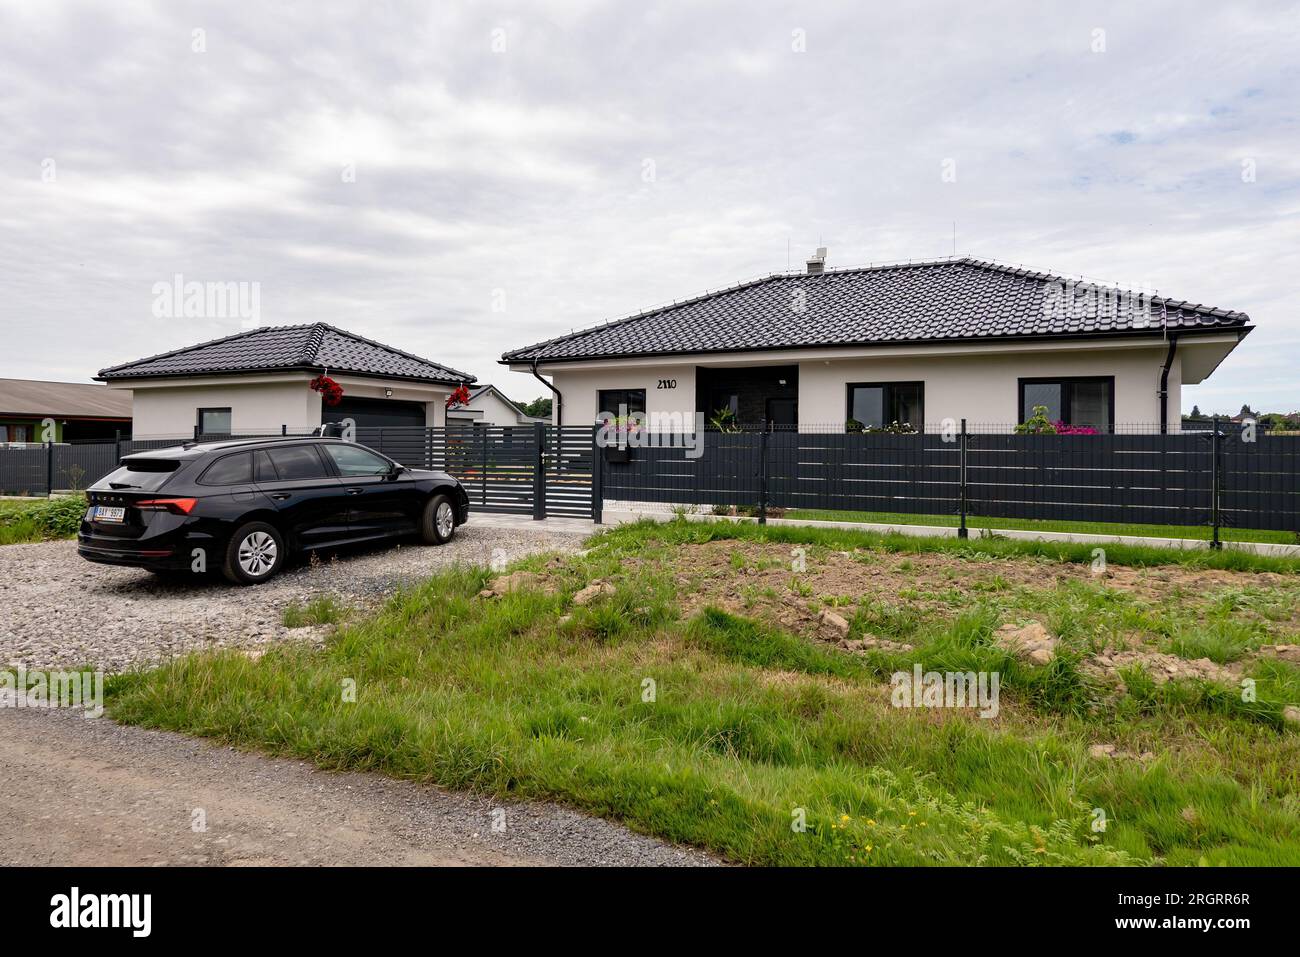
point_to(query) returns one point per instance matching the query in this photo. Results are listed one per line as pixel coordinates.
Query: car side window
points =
(297, 462)
(229, 470)
(264, 468)
(352, 460)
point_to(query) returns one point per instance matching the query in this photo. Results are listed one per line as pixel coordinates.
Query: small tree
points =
(724, 420)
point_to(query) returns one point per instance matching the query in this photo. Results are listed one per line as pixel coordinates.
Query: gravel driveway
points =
(62, 611)
(94, 793)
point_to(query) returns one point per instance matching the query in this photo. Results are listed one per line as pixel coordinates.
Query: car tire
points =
(438, 523)
(254, 554)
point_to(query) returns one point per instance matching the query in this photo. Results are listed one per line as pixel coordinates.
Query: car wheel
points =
(438, 525)
(254, 554)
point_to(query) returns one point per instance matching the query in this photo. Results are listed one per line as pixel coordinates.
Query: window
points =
(147, 475)
(298, 462)
(615, 403)
(214, 421)
(263, 468)
(877, 405)
(355, 461)
(229, 470)
(18, 433)
(1074, 401)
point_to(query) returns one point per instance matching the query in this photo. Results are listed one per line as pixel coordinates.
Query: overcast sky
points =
(458, 179)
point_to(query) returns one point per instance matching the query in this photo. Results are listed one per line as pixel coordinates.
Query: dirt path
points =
(90, 792)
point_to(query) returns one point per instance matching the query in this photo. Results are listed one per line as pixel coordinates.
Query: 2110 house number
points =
(667, 384)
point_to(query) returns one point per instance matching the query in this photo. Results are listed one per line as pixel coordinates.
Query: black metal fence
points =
(1226, 477)
(533, 469)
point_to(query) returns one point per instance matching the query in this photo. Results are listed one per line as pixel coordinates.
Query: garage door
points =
(375, 412)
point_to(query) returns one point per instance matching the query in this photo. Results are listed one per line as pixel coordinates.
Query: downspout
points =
(559, 399)
(1164, 385)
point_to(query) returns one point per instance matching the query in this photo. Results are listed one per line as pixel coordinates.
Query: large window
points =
(1075, 401)
(880, 405)
(615, 403)
(214, 421)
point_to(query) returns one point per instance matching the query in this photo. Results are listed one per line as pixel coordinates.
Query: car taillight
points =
(177, 506)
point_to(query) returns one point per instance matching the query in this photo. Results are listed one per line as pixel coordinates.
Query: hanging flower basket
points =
(331, 393)
(459, 397)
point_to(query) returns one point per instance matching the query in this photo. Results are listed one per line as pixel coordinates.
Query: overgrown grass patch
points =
(730, 732)
(40, 519)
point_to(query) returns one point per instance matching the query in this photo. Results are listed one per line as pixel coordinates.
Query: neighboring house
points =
(258, 382)
(75, 410)
(488, 406)
(915, 343)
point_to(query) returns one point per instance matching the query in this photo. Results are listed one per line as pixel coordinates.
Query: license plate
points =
(108, 513)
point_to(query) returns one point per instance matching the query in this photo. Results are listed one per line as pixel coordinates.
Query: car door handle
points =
(356, 490)
(279, 496)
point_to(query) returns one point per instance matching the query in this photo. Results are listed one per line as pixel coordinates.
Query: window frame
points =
(198, 418)
(600, 402)
(886, 398)
(1067, 383)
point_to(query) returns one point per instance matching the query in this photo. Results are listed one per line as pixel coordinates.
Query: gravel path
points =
(62, 611)
(92, 792)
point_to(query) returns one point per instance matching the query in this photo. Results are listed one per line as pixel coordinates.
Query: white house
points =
(488, 405)
(918, 343)
(259, 382)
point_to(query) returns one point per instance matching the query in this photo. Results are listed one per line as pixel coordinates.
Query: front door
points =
(782, 413)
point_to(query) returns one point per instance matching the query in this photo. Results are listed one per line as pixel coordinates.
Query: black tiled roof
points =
(942, 301)
(314, 347)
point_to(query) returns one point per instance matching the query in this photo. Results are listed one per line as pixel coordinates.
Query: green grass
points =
(40, 519)
(726, 731)
(325, 610)
(1196, 532)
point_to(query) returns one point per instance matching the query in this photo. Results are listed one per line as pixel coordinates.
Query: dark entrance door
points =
(374, 412)
(782, 412)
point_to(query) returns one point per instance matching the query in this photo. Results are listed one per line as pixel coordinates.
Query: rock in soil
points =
(1032, 643)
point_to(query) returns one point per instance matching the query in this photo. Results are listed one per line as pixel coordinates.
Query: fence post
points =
(49, 468)
(284, 428)
(597, 478)
(539, 471)
(1215, 517)
(117, 447)
(962, 531)
(196, 431)
(762, 477)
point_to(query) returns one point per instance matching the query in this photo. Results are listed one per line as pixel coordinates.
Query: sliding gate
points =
(536, 470)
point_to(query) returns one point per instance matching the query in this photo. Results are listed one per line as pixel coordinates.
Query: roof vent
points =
(817, 262)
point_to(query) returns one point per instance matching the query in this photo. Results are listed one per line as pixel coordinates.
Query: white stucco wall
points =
(985, 389)
(169, 408)
(254, 406)
(581, 389)
(980, 385)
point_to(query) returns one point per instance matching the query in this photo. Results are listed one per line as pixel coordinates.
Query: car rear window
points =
(298, 462)
(148, 475)
(229, 470)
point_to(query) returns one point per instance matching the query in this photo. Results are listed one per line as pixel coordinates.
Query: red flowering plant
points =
(459, 397)
(331, 392)
(1064, 429)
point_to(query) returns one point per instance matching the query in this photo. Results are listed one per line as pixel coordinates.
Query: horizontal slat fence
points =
(1123, 478)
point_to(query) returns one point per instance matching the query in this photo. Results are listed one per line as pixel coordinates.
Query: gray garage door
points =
(375, 412)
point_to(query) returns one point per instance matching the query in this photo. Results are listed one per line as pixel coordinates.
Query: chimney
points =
(817, 262)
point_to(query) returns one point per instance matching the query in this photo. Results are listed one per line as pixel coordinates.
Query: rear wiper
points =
(122, 485)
